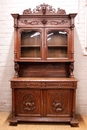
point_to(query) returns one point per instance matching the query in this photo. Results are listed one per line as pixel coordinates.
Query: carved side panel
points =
(59, 102)
(28, 102)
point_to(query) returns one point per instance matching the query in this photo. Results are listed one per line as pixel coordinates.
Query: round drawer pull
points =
(59, 86)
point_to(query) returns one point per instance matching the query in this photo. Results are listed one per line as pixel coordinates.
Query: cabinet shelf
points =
(57, 45)
(30, 45)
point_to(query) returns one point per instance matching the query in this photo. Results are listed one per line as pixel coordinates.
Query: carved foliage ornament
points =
(27, 22)
(57, 22)
(44, 9)
(59, 102)
(29, 102)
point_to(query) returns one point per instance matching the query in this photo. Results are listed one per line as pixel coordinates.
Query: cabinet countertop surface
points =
(43, 79)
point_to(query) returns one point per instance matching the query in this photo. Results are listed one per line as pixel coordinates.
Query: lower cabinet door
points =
(58, 102)
(28, 102)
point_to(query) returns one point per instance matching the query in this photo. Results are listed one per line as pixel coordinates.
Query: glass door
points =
(57, 44)
(30, 44)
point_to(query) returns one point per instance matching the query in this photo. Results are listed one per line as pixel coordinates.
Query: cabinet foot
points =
(74, 122)
(13, 122)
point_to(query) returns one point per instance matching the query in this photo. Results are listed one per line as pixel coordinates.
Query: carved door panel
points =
(28, 102)
(58, 102)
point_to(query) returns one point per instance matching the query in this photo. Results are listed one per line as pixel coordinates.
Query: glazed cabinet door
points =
(28, 102)
(57, 44)
(30, 44)
(58, 102)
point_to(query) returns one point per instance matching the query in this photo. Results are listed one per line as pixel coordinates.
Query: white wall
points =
(7, 40)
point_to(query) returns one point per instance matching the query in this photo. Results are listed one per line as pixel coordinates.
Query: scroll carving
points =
(27, 11)
(27, 22)
(61, 11)
(29, 102)
(59, 101)
(44, 9)
(57, 22)
(57, 106)
(71, 68)
(29, 106)
(16, 66)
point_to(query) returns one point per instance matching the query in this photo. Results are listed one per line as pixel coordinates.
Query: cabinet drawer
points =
(42, 85)
(59, 85)
(26, 84)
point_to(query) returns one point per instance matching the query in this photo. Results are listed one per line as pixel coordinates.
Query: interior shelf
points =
(30, 45)
(57, 45)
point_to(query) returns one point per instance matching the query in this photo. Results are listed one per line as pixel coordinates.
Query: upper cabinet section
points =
(44, 34)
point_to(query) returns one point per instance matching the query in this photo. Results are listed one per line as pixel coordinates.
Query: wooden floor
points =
(4, 124)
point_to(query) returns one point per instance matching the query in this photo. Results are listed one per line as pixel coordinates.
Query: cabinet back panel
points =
(57, 52)
(44, 69)
(30, 52)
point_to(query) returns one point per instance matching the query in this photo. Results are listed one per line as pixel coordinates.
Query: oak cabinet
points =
(44, 86)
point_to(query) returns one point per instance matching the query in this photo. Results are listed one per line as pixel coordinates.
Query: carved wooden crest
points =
(44, 9)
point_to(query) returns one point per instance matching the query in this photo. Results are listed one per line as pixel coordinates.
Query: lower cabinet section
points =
(43, 104)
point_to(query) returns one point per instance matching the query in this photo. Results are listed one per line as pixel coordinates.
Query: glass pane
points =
(57, 44)
(30, 44)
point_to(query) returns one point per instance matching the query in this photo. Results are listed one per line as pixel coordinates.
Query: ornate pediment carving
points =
(44, 9)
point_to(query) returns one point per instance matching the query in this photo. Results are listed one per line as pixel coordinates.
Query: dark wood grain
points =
(44, 86)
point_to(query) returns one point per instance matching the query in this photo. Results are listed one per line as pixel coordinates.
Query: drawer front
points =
(28, 84)
(42, 85)
(59, 85)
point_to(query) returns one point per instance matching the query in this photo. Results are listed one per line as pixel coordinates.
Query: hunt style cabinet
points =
(44, 87)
